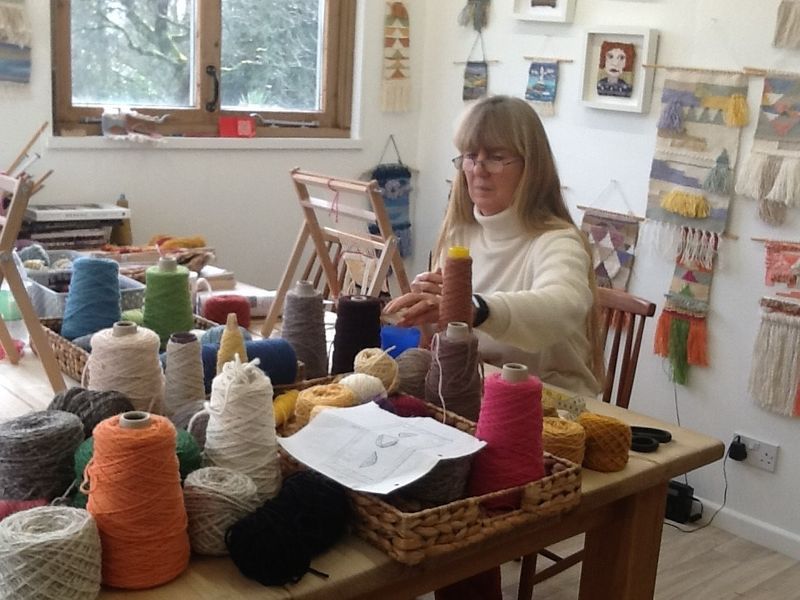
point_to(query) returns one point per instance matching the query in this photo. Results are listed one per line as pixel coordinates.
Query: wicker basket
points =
(72, 359)
(410, 536)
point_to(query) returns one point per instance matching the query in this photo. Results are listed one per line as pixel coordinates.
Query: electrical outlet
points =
(760, 454)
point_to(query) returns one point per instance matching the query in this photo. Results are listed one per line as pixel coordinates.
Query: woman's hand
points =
(421, 304)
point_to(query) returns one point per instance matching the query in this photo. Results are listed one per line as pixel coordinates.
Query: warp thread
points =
(358, 326)
(275, 544)
(377, 362)
(564, 438)
(412, 369)
(183, 373)
(186, 449)
(49, 553)
(453, 380)
(215, 499)
(217, 308)
(511, 425)
(241, 426)
(90, 406)
(304, 328)
(129, 364)
(167, 301)
(608, 441)
(36, 452)
(366, 387)
(93, 299)
(136, 497)
(456, 302)
(331, 394)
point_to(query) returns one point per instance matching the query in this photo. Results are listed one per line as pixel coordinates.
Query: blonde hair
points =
(503, 122)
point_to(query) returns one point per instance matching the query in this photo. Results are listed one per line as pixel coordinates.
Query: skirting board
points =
(756, 531)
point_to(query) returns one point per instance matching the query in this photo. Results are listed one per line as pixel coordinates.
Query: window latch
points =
(262, 122)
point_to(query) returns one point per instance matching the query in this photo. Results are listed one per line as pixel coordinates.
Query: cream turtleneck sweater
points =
(538, 293)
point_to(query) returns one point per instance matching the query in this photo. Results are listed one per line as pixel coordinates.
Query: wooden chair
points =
(327, 266)
(621, 328)
(20, 190)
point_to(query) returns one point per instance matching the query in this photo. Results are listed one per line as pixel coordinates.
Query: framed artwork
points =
(557, 11)
(614, 76)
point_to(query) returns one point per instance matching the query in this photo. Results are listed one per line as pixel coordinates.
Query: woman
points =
(531, 265)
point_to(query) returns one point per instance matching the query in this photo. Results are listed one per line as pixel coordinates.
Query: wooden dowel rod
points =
(27, 147)
(611, 212)
(544, 58)
(765, 240)
(39, 184)
(463, 62)
(695, 69)
(758, 72)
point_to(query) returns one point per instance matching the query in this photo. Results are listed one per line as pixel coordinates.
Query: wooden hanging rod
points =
(611, 212)
(695, 69)
(544, 58)
(785, 306)
(757, 72)
(463, 62)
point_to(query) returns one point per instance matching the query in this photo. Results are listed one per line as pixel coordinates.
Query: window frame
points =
(333, 119)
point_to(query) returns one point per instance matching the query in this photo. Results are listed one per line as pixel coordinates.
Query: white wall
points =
(593, 146)
(242, 201)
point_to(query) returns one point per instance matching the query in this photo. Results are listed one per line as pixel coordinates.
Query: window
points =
(286, 63)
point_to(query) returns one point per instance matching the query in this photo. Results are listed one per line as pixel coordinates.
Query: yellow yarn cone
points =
(231, 344)
(683, 203)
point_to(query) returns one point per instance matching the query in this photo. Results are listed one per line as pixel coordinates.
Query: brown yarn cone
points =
(456, 302)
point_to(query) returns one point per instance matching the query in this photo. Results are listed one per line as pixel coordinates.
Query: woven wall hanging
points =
(787, 25)
(691, 181)
(394, 179)
(542, 87)
(771, 174)
(475, 13)
(15, 42)
(476, 74)
(396, 81)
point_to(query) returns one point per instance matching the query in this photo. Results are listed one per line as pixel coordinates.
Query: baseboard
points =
(756, 531)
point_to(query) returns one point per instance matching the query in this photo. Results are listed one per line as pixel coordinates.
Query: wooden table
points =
(621, 514)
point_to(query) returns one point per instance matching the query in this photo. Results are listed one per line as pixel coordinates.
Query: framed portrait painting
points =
(614, 76)
(557, 11)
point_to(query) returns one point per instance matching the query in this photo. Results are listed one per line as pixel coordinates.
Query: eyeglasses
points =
(492, 165)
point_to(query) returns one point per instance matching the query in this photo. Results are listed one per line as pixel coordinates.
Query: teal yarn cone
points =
(93, 298)
(167, 301)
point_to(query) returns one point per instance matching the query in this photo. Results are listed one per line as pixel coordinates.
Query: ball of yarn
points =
(50, 552)
(129, 364)
(90, 406)
(36, 453)
(275, 544)
(217, 309)
(608, 441)
(34, 252)
(404, 405)
(134, 315)
(283, 406)
(377, 362)
(9, 507)
(241, 426)
(93, 299)
(84, 342)
(136, 498)
(214, 334)
(215, 499)
(331, 394)
(412, 368)
(564, 438)
(365, 387)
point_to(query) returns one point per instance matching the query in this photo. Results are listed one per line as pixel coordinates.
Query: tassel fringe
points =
(735, 113)
(661, 341)
(672, 116)
(776, 363)
(678, 339)
(772, 213)
(786, 188)
(697, 346)
(720, 177)
(14, 26)
(749, 181)
(686, 204)
(396, 95)
(787, 29)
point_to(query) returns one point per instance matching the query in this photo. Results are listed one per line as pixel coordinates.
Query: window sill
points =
(204, 143)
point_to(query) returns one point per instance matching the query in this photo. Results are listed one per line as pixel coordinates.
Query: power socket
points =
(760, 454)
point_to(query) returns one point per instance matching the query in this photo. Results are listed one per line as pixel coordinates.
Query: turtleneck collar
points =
(504, 225)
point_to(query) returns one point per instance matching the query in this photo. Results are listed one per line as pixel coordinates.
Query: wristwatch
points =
(481, 310)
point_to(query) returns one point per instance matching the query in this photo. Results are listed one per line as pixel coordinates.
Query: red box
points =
(237, 127)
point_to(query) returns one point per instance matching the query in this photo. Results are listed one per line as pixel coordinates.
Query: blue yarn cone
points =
(93, 298)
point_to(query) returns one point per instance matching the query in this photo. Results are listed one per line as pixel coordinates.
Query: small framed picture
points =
(557, 11)
(614, 76)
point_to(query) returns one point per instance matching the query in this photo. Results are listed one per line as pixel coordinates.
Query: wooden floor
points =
(709, 564)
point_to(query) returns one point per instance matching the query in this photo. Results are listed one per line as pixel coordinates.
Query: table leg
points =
(621, 555)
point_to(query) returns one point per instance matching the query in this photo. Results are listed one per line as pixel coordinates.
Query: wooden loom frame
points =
(324, 237)
(21, 189)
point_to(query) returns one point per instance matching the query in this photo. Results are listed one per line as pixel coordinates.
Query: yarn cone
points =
(231, 344)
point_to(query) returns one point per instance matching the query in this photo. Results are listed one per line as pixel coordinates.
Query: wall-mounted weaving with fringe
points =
(691, 182)
(396, 81)
(775, 372)
(612, 237)
(771, 174)
(782, 263)
(394, 180)
(542, 87)
(15, 42)
(787, 25)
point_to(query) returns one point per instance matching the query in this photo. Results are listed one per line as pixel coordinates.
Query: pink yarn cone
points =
(510, 423)
(9, 507)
